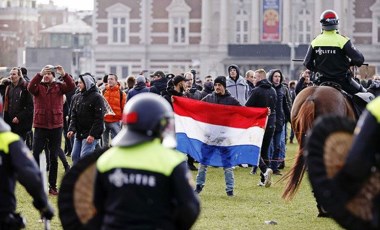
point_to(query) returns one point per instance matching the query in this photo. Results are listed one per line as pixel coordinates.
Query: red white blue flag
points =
(219, 135)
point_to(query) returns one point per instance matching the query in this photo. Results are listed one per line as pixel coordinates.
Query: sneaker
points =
(53, 191)
(230, 193)
(261, 184)
(198, 188)
(268, 177)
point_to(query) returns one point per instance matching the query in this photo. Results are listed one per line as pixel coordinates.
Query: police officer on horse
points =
(331, 54)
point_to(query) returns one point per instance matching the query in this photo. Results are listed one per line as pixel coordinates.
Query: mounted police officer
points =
(331, 54)
(17, 163)
(139, 183)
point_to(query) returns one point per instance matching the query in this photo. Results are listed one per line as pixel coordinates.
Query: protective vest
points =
(7, 178)
(138, 182)
(374, 108)
(330, 58)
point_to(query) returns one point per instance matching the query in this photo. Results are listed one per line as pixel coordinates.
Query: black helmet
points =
(329, 20)
(145, 117)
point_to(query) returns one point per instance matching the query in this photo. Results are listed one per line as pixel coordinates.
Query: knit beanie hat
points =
(221, 80)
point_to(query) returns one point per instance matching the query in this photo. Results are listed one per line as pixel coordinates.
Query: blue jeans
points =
(112, 128)
(81, 149)
(283, 144)
(228, 177)
(276, 149)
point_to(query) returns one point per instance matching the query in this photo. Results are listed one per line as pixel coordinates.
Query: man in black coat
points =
(87, 118)
(264, 96)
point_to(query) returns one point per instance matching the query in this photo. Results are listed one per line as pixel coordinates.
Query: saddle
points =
(358, 101)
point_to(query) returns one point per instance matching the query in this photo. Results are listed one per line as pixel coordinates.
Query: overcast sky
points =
(73, 4)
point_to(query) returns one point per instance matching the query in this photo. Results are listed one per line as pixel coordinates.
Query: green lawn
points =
(248, 209)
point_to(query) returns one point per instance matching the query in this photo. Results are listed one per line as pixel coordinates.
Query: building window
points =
(113, 69)
(304, 27)
(124, 71)
(118, 24)
(119, 30)
(180, 31)
(179, 15)
(241, 27)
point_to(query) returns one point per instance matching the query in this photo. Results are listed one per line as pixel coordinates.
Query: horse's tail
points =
(300, 124)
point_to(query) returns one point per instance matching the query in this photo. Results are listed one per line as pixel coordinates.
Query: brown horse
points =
(309, 104)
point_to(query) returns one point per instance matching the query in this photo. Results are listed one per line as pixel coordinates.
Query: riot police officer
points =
(16, 162)
(140, 183)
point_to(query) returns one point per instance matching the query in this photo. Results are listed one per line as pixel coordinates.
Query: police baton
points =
(45, 184)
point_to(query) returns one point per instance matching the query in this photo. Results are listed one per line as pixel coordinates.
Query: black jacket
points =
(158, 86)
(87, 115)
(18, 103)
(16, 164)
(282, 104)
(225, 99)
(264, 96)
(145, 186)
(330, 54)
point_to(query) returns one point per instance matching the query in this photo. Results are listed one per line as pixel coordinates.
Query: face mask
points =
(209, 85)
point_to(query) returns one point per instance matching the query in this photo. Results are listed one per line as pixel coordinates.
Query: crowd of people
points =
(89, 115)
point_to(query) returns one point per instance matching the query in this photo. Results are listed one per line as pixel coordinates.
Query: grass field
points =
(248, 209)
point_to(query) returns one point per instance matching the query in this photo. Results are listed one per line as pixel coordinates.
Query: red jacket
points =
(112, 95)
(48, 101)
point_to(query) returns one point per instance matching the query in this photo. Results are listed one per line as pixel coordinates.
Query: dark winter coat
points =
(225, 99)
(282, 107)
(18, 102)
(158, 86)
(264, 96)
(48, 101)
(87, 115)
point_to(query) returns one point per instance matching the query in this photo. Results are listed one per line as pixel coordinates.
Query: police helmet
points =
(145, 117)
(329, 20)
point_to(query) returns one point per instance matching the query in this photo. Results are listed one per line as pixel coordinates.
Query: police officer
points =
(15, 160)
(330, 55)
(139, 183)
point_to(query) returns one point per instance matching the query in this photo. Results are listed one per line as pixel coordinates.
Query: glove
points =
(47, 212)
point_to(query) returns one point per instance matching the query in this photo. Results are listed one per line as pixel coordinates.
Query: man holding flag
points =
(221, 135)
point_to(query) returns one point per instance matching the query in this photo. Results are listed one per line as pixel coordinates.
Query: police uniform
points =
(140, 184)
(15, 160)
(365, 150)
(329, 55)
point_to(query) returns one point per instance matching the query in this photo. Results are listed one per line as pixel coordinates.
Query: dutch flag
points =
(219, 135)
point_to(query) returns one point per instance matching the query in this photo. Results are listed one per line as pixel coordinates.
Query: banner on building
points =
(271, 19)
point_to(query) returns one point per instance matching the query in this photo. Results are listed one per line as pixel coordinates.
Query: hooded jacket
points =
(158, 86)
(282, 104)
(239, 88)
(87, 111)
